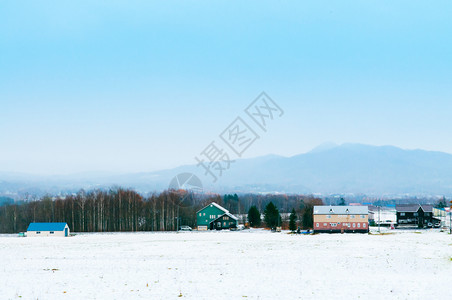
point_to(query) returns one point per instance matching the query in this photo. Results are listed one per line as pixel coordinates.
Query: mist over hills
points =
(327, 169)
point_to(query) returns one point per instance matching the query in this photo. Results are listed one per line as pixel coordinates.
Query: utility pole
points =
(450, 218)
(379, 220)
(177, 219)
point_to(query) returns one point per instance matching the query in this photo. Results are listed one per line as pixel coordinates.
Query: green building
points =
(213, 216)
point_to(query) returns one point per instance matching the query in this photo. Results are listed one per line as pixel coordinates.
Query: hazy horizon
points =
(320, 147)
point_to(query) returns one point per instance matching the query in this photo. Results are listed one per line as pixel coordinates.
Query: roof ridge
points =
(216, 205)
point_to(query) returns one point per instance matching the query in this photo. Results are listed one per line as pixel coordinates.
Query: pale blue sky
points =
(133, 86)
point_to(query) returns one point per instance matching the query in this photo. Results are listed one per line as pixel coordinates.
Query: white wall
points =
(47, 233)
(385, 216)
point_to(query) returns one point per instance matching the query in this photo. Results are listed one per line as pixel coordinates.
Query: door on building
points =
(65, 231)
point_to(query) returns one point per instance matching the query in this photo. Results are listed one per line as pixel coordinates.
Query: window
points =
(204, 214)
(359, 225)
(38, 232)
(364, 225)
(51, 232)
(416, 214)
(324, 224)
(352, 217)
(328, 217)
(333, 224)
(199, 214)
(363, 216)
(402, 214)
(317, 225)
(354, 225)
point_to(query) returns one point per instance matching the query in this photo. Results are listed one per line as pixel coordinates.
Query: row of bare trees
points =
(114, 210)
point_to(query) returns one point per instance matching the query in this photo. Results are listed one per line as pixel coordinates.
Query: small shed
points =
(48, 229)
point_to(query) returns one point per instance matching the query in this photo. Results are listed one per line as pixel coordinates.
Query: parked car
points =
(185, 228)
(238, 227)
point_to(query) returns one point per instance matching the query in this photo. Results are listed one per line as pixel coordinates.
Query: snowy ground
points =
(227, 265)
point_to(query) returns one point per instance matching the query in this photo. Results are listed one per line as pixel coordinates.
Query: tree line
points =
(119, 209)
(302, 211)
(112, 210)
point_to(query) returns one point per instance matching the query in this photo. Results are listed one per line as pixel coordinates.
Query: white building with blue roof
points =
(48, 229)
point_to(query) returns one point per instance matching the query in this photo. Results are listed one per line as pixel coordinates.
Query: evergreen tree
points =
(293, 221)
(441, 203)
(254, 217)
(271, 215)
(232, 203)
(341, 202)
(307, 217)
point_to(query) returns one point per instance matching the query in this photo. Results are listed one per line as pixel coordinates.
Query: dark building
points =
(415, 215)
(225, 221)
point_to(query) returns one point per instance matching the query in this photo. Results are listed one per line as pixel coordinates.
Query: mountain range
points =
(327, 169)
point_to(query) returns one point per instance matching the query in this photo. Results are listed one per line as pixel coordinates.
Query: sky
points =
(137, 86)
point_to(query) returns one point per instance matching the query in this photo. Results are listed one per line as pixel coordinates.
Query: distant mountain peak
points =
(324, 147)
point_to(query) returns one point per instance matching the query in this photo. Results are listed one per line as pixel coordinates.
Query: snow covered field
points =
(252, 264)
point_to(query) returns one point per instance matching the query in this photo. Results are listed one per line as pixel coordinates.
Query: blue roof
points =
(46, 226)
